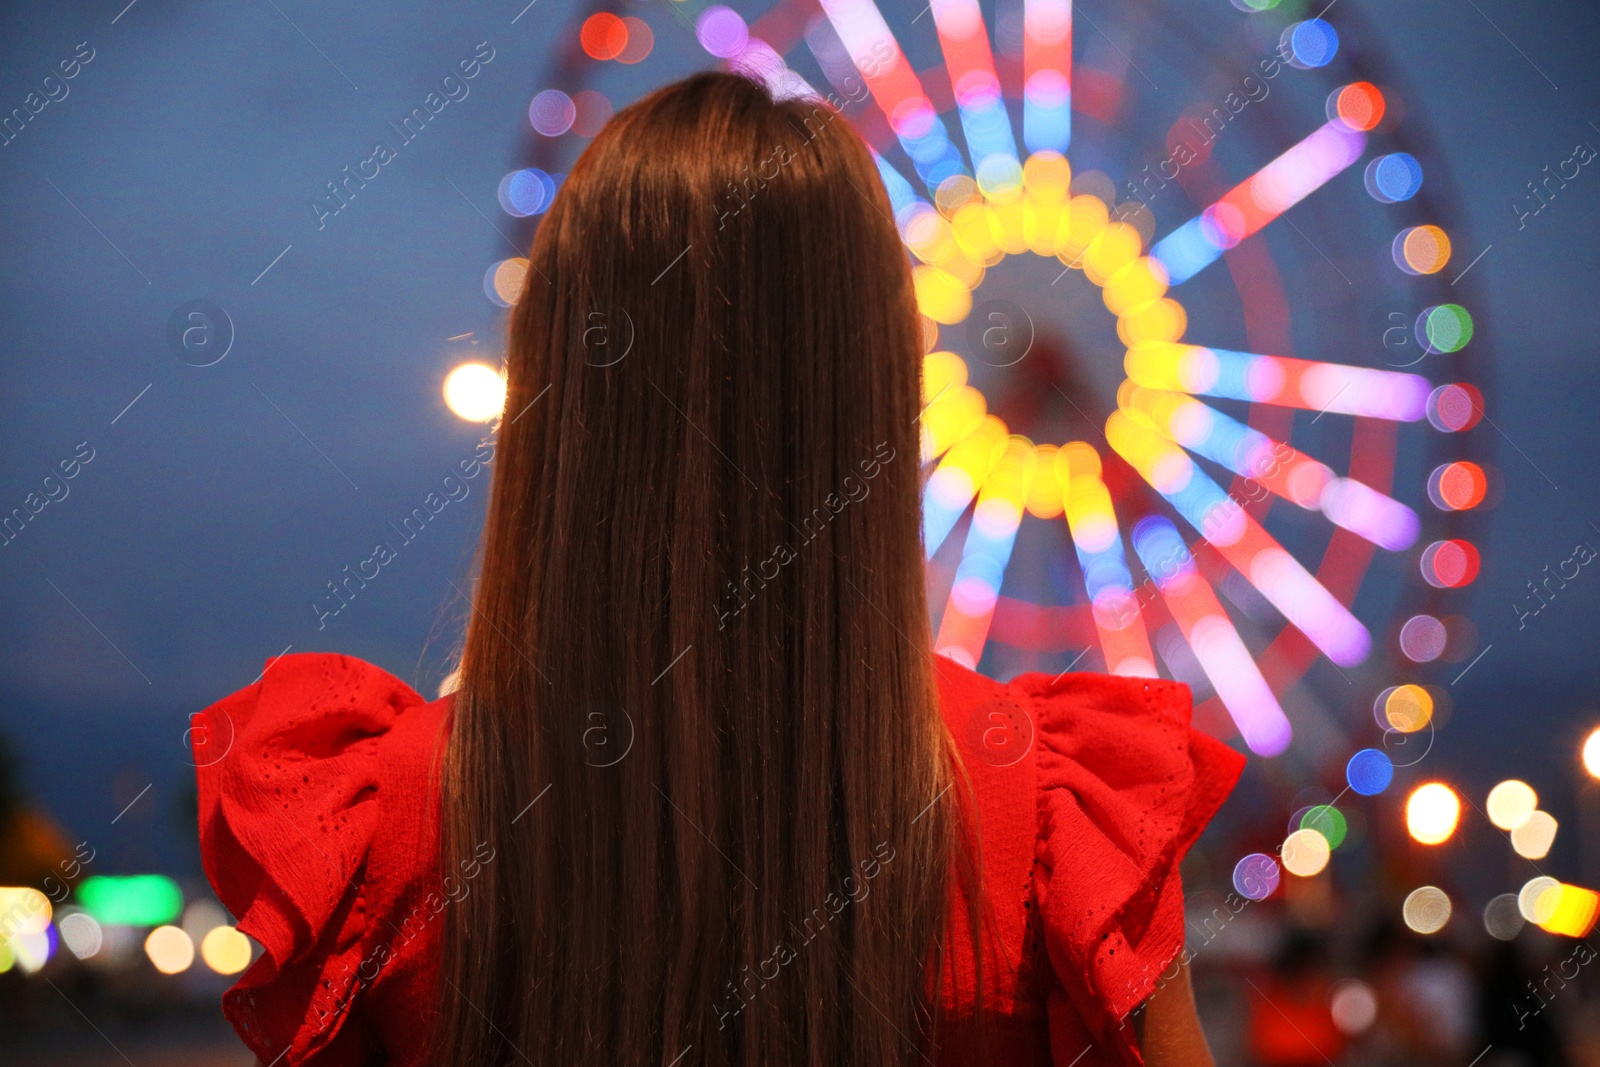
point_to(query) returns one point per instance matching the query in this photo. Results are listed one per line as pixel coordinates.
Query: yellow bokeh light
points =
(1082, 222)
(949, 419)
(1568, 910)
(1409, 708)
(1155, 320)
(940, 295)
(225, 950)
(971, 226)
(1142, 280)
(941, 371)
(170, 949)
(1591, 753)
(1533, 837)
(1305, 852)
(1432, 813)
(1041, 222)
(23, 910)
(1006, 225)
(1426, 909)
(1114, 247)
(1077, 459)
(1047, 175)
(1046, 498)
(1510, 803)
(475, 392)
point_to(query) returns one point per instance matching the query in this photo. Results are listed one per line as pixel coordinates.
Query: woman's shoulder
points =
(318, 793)
(1089, 789)
(1124, 742)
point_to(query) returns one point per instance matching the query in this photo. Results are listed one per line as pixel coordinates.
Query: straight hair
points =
(697, 722)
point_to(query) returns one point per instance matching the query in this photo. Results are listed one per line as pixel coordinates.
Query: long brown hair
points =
(697, 729)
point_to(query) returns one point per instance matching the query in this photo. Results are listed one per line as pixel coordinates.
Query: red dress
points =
(317, 832)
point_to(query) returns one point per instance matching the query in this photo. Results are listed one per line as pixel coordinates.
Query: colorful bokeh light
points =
(1259, 199)
(1568, 910)
(1423, 638)
(1421, 249)
(1457, 486)
(1536, 901)
(1223, 655)
(641, 40)
(603, 36)
(130, 900)
(503, 281)
(1369, 772)
(722, 31)
(526, 192)
(1455, 407)
(1310, 43)
(551, 113)
(1358, 106)
(23, 910)
(1406, 708)
(1256, 876)
(1328, 821)
(1392, 178)
(1444, 328)
(1450, 564)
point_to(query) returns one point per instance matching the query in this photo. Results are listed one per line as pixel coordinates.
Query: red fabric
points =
(318, 805)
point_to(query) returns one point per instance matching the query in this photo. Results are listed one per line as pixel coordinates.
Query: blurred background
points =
(1237, 312)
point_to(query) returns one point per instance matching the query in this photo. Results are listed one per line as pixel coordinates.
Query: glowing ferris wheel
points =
(1157, 455)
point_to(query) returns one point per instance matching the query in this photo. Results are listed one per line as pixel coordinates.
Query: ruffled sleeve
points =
(290, 772)
(1125, 787)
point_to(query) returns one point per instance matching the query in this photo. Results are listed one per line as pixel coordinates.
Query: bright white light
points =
(475, 392)
(1591, 753)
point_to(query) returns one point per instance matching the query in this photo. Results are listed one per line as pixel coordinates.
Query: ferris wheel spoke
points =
(1278, 467)
(964, 627)
(1273, 189)
(896, 89)
(902, 197)
(1283, 381)
(970, 65)
(954, 483)
(1247, 547)
(1212, 637)
(1097, 539)
(1047, 75)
